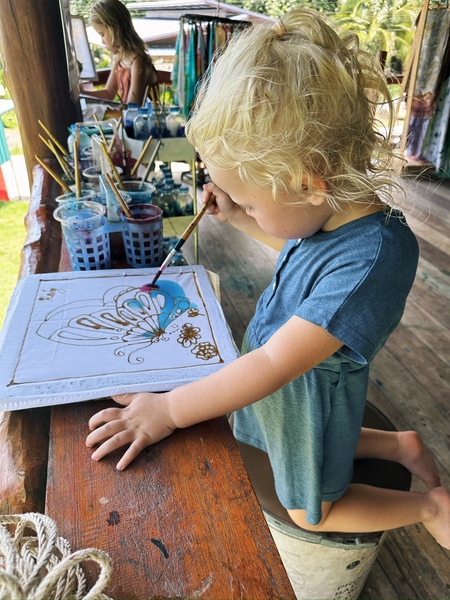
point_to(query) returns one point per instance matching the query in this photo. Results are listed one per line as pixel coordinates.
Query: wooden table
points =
(181, 522)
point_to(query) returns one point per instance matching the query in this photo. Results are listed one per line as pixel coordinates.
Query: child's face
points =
(105, 33)
(282, 219)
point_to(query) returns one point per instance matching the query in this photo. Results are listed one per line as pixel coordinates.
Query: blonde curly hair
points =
(292, 101)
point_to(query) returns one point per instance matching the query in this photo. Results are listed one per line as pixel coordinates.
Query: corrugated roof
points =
(174, 9)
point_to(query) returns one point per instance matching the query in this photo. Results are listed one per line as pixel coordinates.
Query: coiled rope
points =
(42, 566)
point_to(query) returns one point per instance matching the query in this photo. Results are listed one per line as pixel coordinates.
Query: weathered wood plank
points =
(407, 348)
(378, 584)
(24, 434)
(409, 579)
(431, 242)
(23, 460)
(431, 290)
(428, 328)
(42, 246)
(416, 402)
(429, 202)
(152, 518)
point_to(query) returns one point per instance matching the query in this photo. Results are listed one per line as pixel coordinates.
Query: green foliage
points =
(10, 120)
(102, 57)
(2, 82)
(277, 8)
(81, 8)
(386, 25)
(380, 24)
(12, 231)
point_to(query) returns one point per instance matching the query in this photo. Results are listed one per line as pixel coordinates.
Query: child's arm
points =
(225, 210)
(147, 418)
(110, 90)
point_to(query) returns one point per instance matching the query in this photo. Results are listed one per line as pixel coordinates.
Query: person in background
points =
(132, 70)
(286, 127)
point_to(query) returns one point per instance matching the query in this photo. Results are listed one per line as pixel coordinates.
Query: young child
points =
(132, 69)
(285, 126)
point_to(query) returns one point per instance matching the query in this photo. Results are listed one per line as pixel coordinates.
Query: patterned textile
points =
(436, 146)
(432, 64)
(198, 39)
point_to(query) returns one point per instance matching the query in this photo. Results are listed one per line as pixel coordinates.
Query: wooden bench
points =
(181, 522)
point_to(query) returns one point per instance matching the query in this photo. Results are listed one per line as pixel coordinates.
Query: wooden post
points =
(35, 69)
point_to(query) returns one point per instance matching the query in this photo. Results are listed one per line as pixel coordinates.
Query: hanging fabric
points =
(436, 145)
(198, 40)
(429, 78)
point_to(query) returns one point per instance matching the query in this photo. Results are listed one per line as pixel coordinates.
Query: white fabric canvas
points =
(74, 336)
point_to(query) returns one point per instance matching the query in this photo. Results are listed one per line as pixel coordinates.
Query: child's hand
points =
(223, 208)
(145, 420)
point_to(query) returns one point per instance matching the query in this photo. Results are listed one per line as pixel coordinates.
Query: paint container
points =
(143, 235)
(323, 566)
(140, 192)
(91, 176)
(87, 240)
(108, 197)
(70, 198)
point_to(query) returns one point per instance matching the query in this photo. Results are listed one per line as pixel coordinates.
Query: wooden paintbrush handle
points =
(76, 162)
(187, 232)
(141, 156)
(54, 140)
(64, 186)
(122, 202)
(112, 165)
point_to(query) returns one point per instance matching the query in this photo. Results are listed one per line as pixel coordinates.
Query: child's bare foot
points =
(439, 524)
(417, 458)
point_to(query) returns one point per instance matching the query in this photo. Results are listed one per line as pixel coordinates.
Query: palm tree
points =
(277, 8)
(382, 25)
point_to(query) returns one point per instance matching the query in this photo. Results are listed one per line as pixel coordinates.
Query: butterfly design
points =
(124, 317)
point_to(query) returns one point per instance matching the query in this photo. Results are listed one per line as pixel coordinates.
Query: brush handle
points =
(122, 202)
(62, 163)
(150, 164)
(56, 177)
(54, 140)
(141, 156)
(76, 163)
(116, 132)
(187, 232)
(100, 130)
(112, 165)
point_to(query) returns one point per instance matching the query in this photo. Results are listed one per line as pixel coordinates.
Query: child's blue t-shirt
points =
(353, 282)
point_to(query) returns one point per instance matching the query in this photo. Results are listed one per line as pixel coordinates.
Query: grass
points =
(12, 231)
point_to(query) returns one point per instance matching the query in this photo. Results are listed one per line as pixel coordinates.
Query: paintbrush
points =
(113, 140)
(56, 177)
(62, 162)
(150, 163)
(54, 140)
(76, 162)
(141, 156)
(122, 202)
(124, 151)
(112, 165)
(187, 232)
(145, 96)
(100, 130)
